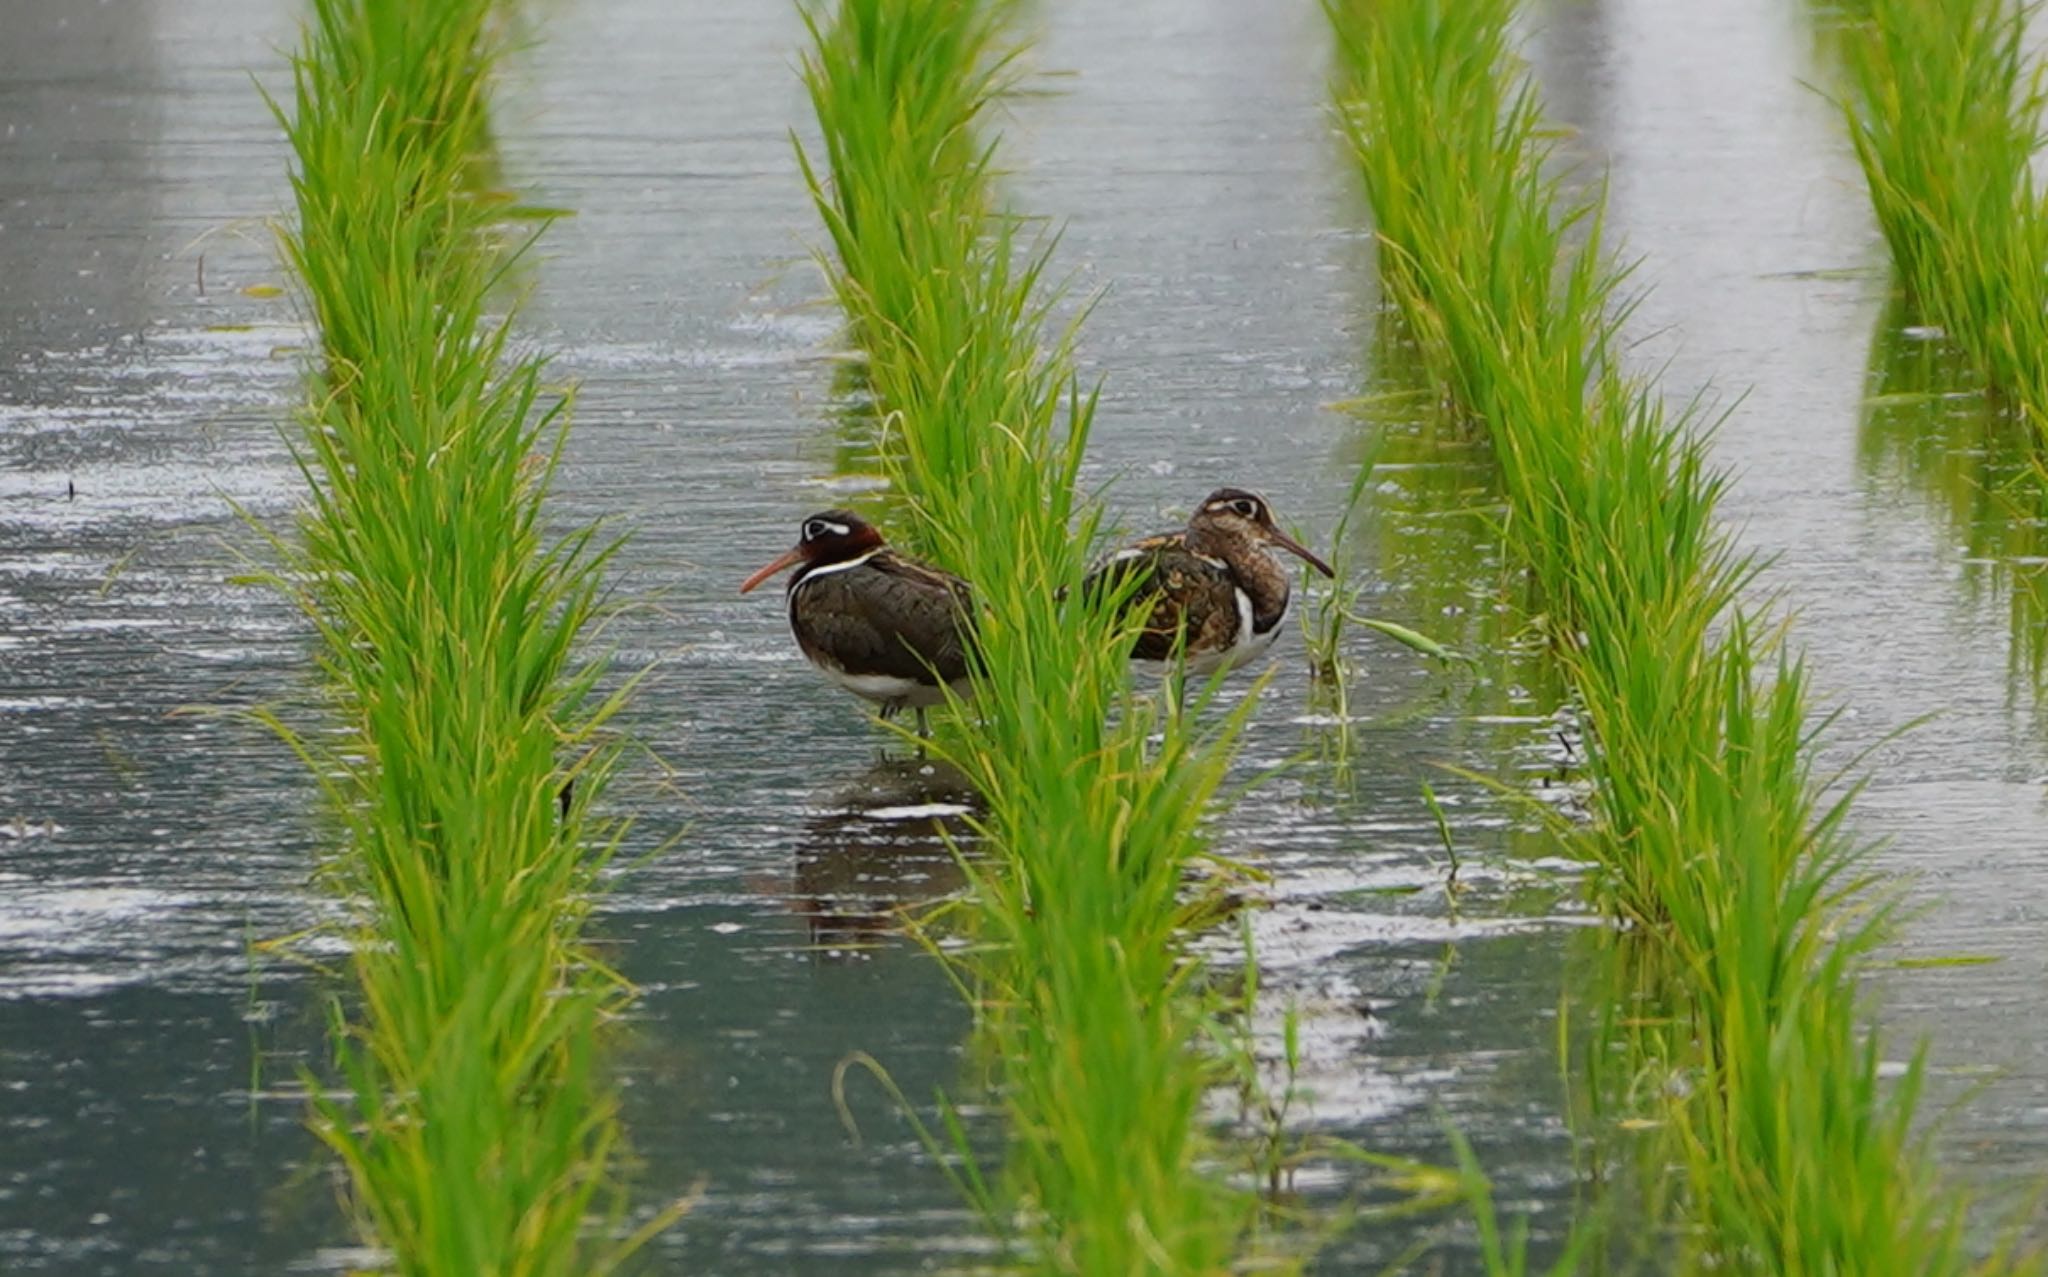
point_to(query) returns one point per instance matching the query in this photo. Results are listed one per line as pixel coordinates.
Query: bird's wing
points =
(890, 616)
(1178, 587)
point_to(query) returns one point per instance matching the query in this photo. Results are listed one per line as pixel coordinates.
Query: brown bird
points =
(1213, 581)
(880, 624)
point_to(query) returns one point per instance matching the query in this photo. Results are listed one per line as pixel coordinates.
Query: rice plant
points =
(1085, 990)
(1713, 844)
(1944, 111)
(1944, 108)
(476, 1126)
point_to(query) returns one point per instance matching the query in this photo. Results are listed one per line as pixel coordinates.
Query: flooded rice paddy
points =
(152, 1039)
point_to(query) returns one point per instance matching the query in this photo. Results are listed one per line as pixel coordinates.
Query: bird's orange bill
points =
(789, 560)
(1296, 548)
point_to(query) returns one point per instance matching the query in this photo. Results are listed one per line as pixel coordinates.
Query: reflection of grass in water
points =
(1713, 844)
(481, 1130)
(1425, 518)
(859, 455)
(1928, 421)
(1624, 1023)
(1438, 523)
(1093, 1008)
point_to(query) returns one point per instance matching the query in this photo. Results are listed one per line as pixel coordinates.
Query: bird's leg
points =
(891, 708)
(884, 711)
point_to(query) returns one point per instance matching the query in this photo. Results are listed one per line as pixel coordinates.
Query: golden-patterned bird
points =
(1213, 580)
(880, 624)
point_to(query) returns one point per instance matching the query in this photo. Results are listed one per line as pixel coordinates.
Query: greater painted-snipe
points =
(880, 624)
(1213, 582)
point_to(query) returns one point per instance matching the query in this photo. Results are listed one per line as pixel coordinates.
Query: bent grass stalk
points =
(1082, 983)
(479, 1130)
(1713, 844)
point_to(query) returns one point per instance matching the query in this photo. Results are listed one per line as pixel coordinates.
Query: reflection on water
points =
(1191, 152)
(78, 133)
(1423, 994)
(1630, 1025)
(885, 843)
(1433, 535)
(1930, 425)
(149, 1116)
(857, 463)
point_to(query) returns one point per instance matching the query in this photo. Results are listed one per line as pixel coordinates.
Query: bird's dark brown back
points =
(889, 615)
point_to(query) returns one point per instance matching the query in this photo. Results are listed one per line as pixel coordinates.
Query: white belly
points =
(1246, 647)
(885, 688)
(1231, 657)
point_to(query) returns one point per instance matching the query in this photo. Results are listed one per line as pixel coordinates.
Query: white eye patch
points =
(819, 527)
(1242, 506)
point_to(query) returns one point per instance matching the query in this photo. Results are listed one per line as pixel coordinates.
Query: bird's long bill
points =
(1299, 550)
(788, 560)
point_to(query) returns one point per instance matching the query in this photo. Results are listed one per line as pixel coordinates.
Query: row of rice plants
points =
(1731, 875)
(1945, 112)
(479, 1127)
(1084, 988)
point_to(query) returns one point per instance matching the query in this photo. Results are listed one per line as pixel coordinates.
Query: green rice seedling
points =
(479, 1127)
(910, 181)
(1945, 115)
(1322, 625)
(1322, 631)
(1712, 845)
(1096, 796)
(1945, 112)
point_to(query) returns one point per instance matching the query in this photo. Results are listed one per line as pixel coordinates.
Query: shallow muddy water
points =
(149, 1051)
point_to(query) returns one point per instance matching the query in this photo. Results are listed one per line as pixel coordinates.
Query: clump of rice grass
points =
(478, 1125)
(1713, 844)
(1944, 111)
(1944, 108)
(1078, 970)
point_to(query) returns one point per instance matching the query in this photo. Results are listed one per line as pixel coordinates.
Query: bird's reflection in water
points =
(880, 846)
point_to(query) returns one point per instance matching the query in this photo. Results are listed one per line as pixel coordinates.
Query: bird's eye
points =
(1249, 509)
(813, 529)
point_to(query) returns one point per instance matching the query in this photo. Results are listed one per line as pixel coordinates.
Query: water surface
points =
(149, 1053)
